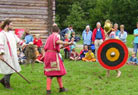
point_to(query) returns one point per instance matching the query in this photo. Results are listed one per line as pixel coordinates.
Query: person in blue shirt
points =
(133, 59)
(87, 36)
(136, 39)
(122, 34)
(28, 38)
(68, 30)
(116, 30)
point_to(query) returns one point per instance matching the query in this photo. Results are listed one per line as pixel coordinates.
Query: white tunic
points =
(11, 60)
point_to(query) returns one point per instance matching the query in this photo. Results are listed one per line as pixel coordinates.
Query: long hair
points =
(6, 22)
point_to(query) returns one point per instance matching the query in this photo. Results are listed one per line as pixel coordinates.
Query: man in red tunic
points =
(54, 66)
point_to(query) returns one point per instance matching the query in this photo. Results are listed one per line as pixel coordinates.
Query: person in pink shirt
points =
(54, 66)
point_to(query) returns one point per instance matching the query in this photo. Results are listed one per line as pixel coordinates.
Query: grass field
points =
(82, 79)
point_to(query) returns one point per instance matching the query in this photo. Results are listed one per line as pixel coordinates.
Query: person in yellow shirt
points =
(89, 56)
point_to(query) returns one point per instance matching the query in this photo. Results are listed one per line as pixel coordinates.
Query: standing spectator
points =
(98, 36)
(38, 42)
(116, 30)
(122, 34)
(87, 36)
(67, 47)
(28, 37)
(136, 39)
(83, 51)
(112, 35)
(68, 30)
(73, 45)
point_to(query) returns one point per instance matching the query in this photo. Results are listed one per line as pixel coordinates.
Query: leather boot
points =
(8, 86)
(48, 92)
(2, 81)
(63, 90)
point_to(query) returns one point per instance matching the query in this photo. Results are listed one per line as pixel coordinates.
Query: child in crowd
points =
(40, 58)
(76, 39)
(28, 36)
(74, 44)
(74, 55)
(66, 47)
(89, 56)
(133, 59)
(38, 42)
(83, 51)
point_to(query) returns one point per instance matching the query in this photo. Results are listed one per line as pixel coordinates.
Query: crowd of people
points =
(93, 39)
(50, 54)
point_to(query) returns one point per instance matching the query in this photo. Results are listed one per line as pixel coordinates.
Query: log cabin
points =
(36, 15)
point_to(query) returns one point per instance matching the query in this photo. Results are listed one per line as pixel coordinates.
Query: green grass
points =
(130, 39)
(82, 79)
(129, 43)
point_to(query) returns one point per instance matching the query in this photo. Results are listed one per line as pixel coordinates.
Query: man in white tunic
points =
(8, 52)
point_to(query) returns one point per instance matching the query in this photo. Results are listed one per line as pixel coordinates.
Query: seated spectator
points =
(66, 47)
(75, 37)
(83, 51)
(73, 45)
(38, 42)
(40, 58)
(89, 56)
(36, 51)
(133, 59)
(28, 38)
(122, 34)
(68, 31)
(74, 55)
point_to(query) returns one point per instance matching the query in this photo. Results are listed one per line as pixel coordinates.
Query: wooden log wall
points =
(36, 15)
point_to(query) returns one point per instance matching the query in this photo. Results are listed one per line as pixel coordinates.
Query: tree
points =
(118, 11)
(76, 18)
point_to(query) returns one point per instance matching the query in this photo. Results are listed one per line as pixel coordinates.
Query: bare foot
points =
(119, 74)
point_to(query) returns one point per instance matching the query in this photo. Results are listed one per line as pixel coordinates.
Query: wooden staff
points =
(16, 71)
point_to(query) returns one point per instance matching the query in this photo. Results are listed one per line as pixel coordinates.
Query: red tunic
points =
(53, 63)
(67, 46)
(37, 42)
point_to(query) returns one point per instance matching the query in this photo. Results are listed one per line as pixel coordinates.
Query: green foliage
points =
(118, 11)
(76, 17)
